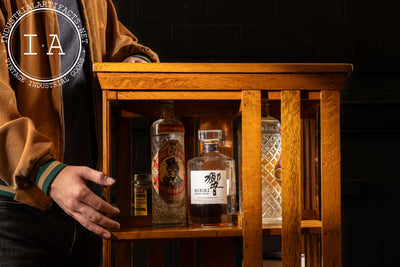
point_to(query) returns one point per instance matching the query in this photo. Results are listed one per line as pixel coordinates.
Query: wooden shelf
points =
(140, 233)
(313, 227)
(250, 68)
(184, 232)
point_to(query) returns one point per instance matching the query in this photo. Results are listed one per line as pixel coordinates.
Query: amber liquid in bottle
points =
(211, 188)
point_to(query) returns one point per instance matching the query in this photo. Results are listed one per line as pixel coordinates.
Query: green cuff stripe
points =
(142, 57)
(47, 173)
(42, 169)
(6, 193)
(51, 176)
(5, 190)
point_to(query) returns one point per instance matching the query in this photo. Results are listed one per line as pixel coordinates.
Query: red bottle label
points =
(168, 169)
(169, 128)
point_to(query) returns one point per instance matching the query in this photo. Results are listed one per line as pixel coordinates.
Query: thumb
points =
(96, 177)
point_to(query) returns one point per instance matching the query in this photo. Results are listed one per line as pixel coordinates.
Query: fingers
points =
(88, 213)
(96, 176)
(87, 210)
(98, 203)
(95, 222)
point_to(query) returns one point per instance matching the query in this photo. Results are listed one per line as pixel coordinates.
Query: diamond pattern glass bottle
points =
(270, 169)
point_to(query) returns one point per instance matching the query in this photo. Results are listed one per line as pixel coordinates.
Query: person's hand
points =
(70, 192)
(134, 60)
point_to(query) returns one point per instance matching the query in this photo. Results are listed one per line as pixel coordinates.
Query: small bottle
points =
(141, 191)
(211, 184)
(168, 169)
(270, 169)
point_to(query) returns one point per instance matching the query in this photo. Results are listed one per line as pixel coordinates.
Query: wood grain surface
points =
(251, 169)
(291, 178)
(330, 179)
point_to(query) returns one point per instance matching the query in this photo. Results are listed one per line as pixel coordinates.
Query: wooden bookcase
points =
(306, 98)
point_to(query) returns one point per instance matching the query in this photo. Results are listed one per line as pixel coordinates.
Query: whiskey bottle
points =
(211, 184)
(168, 169)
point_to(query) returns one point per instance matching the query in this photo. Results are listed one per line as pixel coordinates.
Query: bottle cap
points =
(142, 178)
(210, 135)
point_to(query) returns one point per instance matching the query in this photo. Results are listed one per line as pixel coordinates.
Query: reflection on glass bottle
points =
(168, 168)
(211, 184)
(270, 169)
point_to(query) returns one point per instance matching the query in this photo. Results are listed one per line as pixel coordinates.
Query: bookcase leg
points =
(330, 179)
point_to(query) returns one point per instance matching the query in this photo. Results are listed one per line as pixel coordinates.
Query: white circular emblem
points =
(55, 40)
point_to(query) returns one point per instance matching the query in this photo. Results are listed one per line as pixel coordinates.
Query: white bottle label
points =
(208, 187)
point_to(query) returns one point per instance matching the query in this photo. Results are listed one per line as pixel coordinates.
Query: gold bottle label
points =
(140, 200)
(168, 171)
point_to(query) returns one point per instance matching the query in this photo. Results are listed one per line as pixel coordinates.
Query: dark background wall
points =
(362, 32)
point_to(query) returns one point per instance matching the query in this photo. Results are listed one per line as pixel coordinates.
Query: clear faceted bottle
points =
(211, 184)
(168, 169)
(270, 169)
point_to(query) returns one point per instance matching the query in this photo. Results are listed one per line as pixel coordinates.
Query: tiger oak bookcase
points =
(305, 97)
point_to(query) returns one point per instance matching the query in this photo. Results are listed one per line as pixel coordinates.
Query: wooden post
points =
(251, 168)
(330, 179)
(124, 185)
(291, 178)
(106, 167)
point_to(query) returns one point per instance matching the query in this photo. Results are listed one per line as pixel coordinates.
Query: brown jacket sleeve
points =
(23, 149)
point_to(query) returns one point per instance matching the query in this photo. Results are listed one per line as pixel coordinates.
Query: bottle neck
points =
(265, 110)
(167, 111)
(210, 147)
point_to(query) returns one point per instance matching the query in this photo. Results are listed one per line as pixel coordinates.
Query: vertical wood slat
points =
(330, 179)
(251, 155)
(124, 184)
(106, 167)
(311, 243)
(315, 241)
(291, 178)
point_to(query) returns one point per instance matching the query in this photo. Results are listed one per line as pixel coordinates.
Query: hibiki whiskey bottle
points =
(168, 169)
(211, 184)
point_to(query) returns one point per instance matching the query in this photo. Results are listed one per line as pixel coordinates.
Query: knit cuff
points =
(47, 173)
(148, 60)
